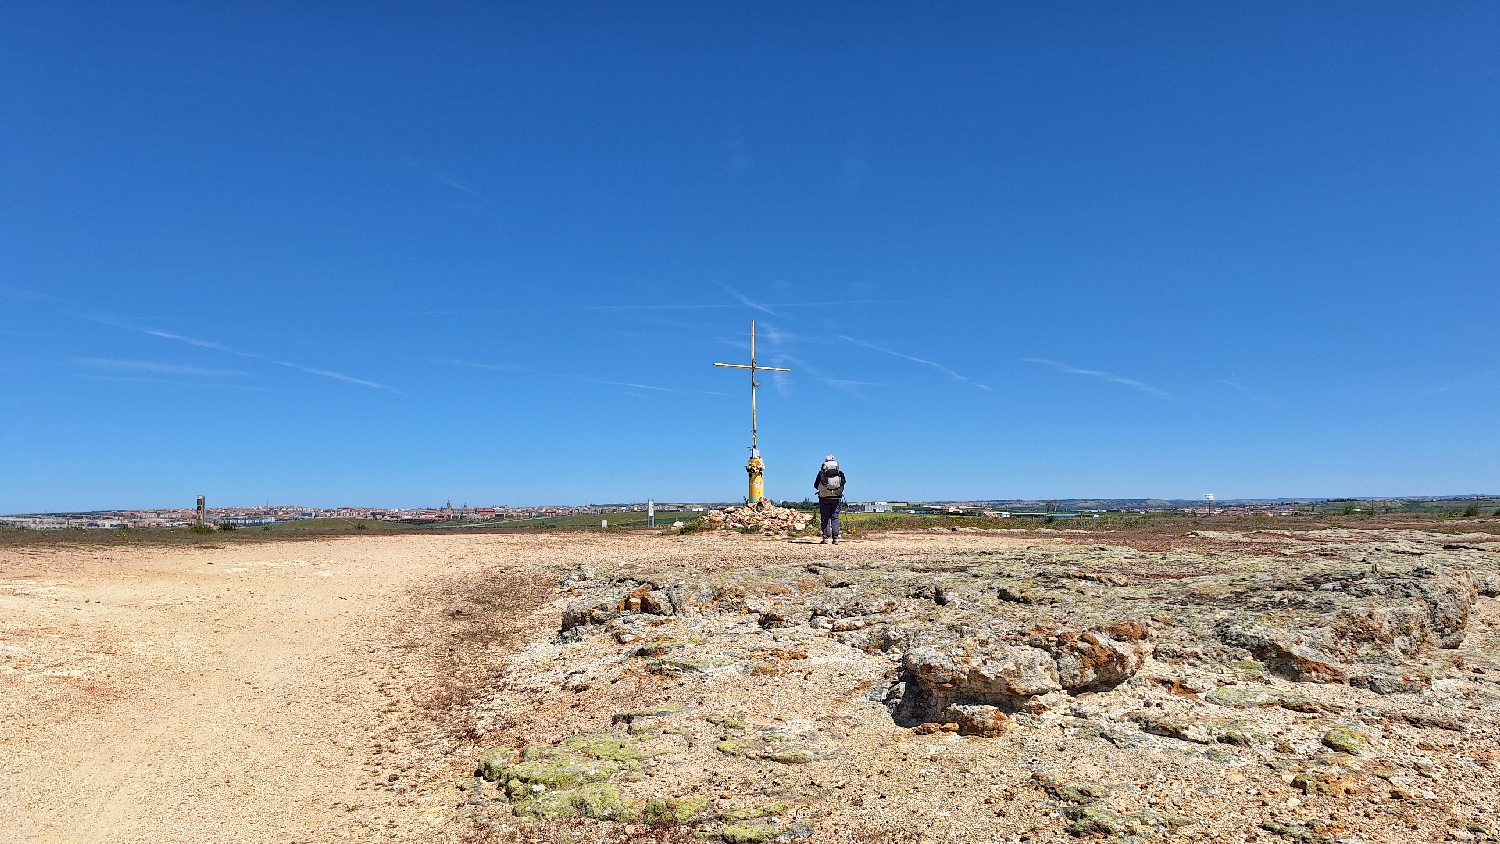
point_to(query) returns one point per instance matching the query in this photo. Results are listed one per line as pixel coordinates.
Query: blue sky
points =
(396, 254)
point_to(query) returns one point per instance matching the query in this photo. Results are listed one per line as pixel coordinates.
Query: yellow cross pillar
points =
(756, 468)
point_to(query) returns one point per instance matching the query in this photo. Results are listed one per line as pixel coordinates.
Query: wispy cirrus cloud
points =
(747, 301)
(924, 361)
(217, 385)
(128, 325)
(498, 367)
(800, 366)
(22, 293)
(1107, 376)
(1249, 394)
(328, 373)
(777, 340)
(219, 347)
(1458, 385)
(155, 366)
(504, 367)
(202, 344)
(850, 387)
(451, 180)
(764, 307)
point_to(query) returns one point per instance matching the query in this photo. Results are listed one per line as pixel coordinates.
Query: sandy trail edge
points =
(237, 693)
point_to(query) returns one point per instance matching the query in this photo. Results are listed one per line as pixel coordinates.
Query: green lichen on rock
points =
(755, 812)
(728, 722)
(600, 801)
(677, 810)
(749, 832)
(1096, 820)
(1071, 792)
(1198, 731)
(675, 665)
(571, 763)
(605, 748)
(597, 800)
(1251, 696)
(661, 648)
(1078, 792)
(1243, 696)
(1296, 832)
(545, 806)
(790, 755)
(493, 762)
(731, 747)
(662, 711)
(1241, 737)
(1346, 740)
(1150, 818)
(1311, 784)
(566, 779)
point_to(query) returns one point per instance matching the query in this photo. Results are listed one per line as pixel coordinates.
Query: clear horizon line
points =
(1314, 499)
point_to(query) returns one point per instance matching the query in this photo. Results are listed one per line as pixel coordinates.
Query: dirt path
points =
(252, 692)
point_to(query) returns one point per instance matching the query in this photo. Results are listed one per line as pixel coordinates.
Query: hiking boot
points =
(835, 540)
(823, 541)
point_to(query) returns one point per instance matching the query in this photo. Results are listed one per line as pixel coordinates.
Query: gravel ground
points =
(615, 687)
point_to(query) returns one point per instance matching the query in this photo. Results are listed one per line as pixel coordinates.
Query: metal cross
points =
(753, 367)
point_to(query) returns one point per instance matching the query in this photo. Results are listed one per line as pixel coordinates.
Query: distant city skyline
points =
(178, 516)
(400, 253)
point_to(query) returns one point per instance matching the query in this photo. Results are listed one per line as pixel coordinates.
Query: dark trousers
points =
(828, 509)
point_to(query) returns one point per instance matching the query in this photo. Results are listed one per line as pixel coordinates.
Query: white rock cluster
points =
(762, 516)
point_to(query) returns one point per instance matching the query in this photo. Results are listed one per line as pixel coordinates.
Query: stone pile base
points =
(762, 516)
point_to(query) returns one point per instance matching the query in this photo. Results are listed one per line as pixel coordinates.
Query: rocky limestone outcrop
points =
(1007, 673)
(679, 599)
(1443, 597)
(1384, 619)
(977, 719)
(1286, 653)
(1093, 659)
(1371, 632)
(649, 598)
(592, 611)
(853, 615)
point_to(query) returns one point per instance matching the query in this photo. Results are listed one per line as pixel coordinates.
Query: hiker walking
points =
(830, 487)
